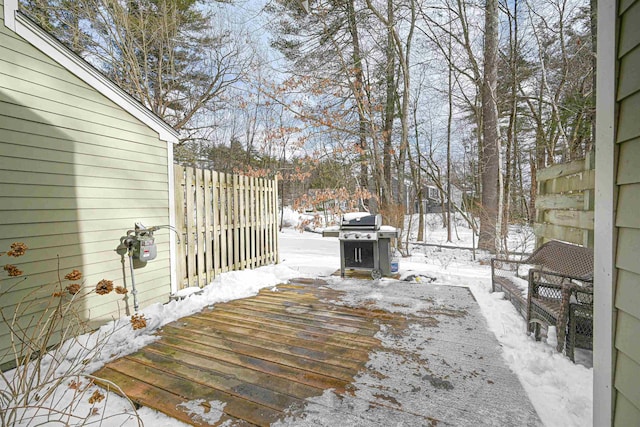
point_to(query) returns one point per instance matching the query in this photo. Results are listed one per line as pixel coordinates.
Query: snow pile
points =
(561, 391)
(293, 219)
(290, 218)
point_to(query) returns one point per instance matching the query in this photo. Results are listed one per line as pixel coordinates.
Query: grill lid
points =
(361, 220)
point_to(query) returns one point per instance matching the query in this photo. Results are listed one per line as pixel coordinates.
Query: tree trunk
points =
(389, 113)
(510, 163)
(594, 44)
(449, 126)
(490, 153)
(359, 94)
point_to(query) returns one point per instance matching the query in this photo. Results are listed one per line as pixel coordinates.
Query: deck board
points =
(261, 356)
(152, 388)
(299, 353)
(309, 332)
(280, 356)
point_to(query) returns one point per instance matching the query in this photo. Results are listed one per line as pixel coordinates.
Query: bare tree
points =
(166, 54)
(490, 149)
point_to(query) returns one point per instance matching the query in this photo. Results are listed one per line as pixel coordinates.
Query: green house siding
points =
(76, 172)
(627, 301)
(627, 413)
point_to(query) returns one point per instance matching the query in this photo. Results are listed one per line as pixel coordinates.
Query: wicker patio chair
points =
(563, 301)
(543, 288)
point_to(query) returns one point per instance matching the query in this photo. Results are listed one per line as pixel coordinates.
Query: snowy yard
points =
(560, 391)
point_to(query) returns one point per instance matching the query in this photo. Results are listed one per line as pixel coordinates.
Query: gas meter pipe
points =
(141, 245)
(134, 292)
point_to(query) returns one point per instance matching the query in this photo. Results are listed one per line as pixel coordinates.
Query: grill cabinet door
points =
(358, 254)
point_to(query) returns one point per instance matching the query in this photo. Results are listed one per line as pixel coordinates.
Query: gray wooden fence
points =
(565, 201)
(226, 222)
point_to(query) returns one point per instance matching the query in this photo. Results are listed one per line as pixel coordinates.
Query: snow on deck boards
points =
(307, 352)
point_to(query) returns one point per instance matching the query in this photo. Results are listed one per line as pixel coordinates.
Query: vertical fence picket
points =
(208, 244)
(236, 222)
(272, 224)
(267, 229)
(247, 221)
(217, 220)
(224, 263)
(179, 192)
(200, 228)
(274, 220)
(260, 226)
(242, 224)
(191, 229)
(252, 221)
(229, 221)
(276, 226)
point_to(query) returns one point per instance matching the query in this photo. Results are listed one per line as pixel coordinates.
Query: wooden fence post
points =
(179, 191)
(191, 232)
(268, 222)
(539, 212)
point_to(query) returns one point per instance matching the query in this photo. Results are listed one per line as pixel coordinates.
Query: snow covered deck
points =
(310, 352)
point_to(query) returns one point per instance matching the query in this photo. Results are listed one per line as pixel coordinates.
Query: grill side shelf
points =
(331, 232)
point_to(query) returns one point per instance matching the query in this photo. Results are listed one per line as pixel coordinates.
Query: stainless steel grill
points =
(364, 243)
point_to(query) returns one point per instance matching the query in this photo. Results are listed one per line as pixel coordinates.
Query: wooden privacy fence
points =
(225, 222)
(565, 202)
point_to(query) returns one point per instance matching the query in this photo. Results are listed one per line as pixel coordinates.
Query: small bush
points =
(48, 383)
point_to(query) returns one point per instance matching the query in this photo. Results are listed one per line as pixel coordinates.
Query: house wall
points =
(76, 172)
(627, 299)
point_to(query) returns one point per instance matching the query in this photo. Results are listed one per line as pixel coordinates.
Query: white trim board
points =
(605, 212)
(172, 224)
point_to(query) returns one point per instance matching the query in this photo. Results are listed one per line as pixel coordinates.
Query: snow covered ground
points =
(560, 390)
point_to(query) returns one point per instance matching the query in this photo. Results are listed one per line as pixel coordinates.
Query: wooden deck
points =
(260, 356)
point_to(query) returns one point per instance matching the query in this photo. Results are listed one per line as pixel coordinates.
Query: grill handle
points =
(357, 254)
